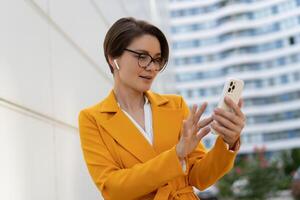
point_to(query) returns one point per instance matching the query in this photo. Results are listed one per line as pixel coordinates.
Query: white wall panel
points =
(81, 22)
(43, 4)
(51, 66)
(76, 84)
(73, 179)
(27, 157)
(24, 57)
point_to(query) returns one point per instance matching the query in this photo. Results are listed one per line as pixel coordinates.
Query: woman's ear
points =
(114, 63)
(111, 62)
(117, 66)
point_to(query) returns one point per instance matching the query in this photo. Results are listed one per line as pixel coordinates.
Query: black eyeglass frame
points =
(152, 59)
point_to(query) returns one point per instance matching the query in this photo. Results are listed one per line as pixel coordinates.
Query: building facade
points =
(254, 40)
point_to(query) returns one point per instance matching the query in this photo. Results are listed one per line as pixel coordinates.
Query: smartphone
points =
(233, 88)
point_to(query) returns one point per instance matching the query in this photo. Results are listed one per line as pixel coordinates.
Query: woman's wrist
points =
(235, 146)
(179, 154)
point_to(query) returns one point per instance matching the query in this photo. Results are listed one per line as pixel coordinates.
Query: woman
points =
(142, 145)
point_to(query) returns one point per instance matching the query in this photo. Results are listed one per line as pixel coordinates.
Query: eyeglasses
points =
(144, 60)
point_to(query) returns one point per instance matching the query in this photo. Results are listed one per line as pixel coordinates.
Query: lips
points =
(147, 77)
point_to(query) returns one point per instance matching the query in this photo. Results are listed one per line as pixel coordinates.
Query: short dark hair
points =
(123, 31)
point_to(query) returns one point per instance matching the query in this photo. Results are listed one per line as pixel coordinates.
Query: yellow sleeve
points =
(118, 183)
(205, 168)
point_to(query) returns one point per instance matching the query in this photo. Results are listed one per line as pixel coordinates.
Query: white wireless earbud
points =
(115, 61)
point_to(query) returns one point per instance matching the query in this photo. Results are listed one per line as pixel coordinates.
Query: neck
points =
(129, 99)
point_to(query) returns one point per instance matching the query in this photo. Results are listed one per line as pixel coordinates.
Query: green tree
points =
(263, 177)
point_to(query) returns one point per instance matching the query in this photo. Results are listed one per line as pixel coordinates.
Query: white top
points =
(148, 132)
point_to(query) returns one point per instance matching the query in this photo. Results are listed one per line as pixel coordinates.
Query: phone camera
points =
(231, 86)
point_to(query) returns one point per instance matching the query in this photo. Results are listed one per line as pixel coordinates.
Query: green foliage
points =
(295, 155)
(291, 160)
(263, 176)
(262, 180)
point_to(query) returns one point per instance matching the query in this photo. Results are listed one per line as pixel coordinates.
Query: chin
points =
(144, 88)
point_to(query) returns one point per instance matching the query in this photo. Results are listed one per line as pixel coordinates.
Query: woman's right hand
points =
(192, 131)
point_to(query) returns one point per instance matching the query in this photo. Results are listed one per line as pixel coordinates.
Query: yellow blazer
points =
(124, 166)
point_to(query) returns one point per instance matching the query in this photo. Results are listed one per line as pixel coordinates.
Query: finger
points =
(189, 120)
(200, 111)
(224, 132)
(203, 132)
(241, 103)
(229, 115)
(185, 128)
(204, 122)
(225, 122)
(192, 114)
(234, 106)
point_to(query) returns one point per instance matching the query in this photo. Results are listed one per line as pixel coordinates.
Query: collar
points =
(145, 98)
(110, 104)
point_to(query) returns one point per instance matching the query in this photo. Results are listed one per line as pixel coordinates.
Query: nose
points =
(152, 66)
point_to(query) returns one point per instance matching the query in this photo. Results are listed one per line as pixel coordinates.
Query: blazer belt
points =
(167, 191)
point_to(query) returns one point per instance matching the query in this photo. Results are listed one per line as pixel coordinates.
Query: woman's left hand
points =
(229, 124)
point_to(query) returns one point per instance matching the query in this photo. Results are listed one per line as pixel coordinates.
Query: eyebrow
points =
(144, 51)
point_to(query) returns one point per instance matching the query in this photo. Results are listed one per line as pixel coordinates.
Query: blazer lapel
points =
(166, 122)
(166, 127)
(124, 131)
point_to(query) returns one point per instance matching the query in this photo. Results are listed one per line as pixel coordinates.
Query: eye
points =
(143, 57)
(158, 61)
